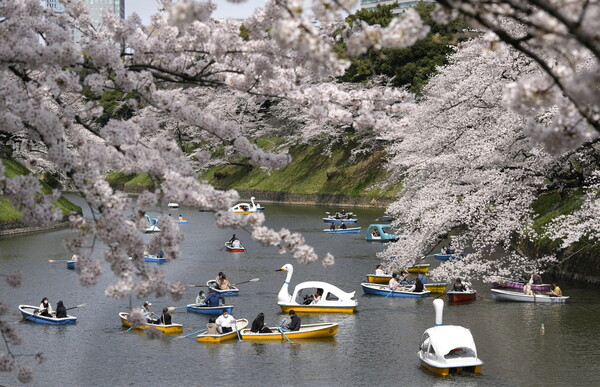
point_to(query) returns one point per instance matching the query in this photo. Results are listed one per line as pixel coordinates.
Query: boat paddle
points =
(193, 333)
(236, 331)
(281, 331)
(58, 260)
(243, 282)
(391, 291)
(172, 308)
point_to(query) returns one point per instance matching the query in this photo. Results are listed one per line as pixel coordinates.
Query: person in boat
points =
(536, 279)
(61, 311)
(419, 287)
(75, 258)
(180, 218)
(450, 250)
(259, 325)
(394, 281)
(211, 327)
(294, 324)
(375, 233)
(527, 288)
(317, 296)
(236, 244)
(379, 271)
(201, 298)
(555, 291)
(45, 308)
(214, 299)
(233, 238)
(147, 312)
(225, 322)
(444, 249)
(332, 226)
(343, 226)
(222, 282)
(458, 286)
(161, 254)
(165, 318)
(337, 215)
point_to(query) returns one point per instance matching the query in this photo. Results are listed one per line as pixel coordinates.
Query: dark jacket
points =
(61, 311)
(294, 325)
(165, 319)
(213, 299)
(418, 285)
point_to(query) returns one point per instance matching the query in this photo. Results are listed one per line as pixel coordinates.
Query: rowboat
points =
(212, 284)
(507, 295)
(379, 279)
(448, 348)
(211, 310)
(166, 329)
(332, 299)
(332, 219)
(173, 205)
(154, 258)
(182, 221)
(377, 233)
(239, 323)
(436, 288)
(454, 296)
(230, 247)
(421, 268)
(517, 286)
(352, 230)
(30, 314)
(340, 215)
(386, 291)
(307, 331)
(71, 265)
(446, 257)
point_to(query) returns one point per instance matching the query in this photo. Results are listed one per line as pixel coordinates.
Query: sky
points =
(225, 9)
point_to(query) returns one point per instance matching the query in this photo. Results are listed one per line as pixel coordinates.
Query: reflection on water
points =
(375, 346)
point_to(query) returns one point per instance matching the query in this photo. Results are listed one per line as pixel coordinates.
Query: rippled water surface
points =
(375, 346)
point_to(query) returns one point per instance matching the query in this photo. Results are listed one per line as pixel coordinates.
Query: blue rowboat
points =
(30, 314)
(446, 257)
(377, 233)
(228, 292)
(331, 219)
(71, 265)
(353, 230)
(154, 258)
(211, 310)
(384, 290)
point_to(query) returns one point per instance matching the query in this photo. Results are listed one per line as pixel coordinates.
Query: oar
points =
(58, 260)
(193, 333)
(78, 306)
(281, 331)
(443, 294)
(130, 328)
(236, 331)
(391, 291)
(243, 282)
(172, 308)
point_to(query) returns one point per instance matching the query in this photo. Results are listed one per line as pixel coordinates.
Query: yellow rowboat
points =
(240, 324)
(174, 329)
(436, 288)
(378, 279)
(317, 308)
(307, 331)
(421, 268)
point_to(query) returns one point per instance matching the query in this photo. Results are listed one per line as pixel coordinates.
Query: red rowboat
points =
(468, 295)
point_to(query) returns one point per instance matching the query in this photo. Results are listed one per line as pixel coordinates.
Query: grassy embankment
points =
(9, 214)
(311, 172)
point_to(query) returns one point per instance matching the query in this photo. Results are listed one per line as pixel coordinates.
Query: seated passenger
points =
(458, 286)
(61, 311)
(418, 286)
(379, 271)
(343, 226)
(236, 244)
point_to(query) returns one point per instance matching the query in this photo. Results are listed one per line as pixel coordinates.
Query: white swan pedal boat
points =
(30, 313)
(448, 348)
(507, 295)
(246, 208)
(333, 299)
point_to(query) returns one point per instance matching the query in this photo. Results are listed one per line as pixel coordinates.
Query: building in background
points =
(96, 9)
(402, 4)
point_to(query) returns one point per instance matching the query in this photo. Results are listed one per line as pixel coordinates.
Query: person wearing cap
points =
(225, 322)
(147, 312)
(294, 324)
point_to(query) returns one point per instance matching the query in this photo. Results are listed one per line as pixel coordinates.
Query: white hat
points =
(147, 303)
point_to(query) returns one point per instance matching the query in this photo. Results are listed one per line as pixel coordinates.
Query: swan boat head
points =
(284, 294)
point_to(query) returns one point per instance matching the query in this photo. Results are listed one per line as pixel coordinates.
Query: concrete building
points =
(402, 4)
(96, 9)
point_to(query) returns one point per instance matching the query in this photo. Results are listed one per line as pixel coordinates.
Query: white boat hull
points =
(506, 295)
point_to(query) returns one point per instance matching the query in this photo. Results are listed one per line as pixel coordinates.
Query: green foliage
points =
(13, 168)
(412, 66)
(142, 179)
(312, 171)
(244, 32)
(549, 206)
